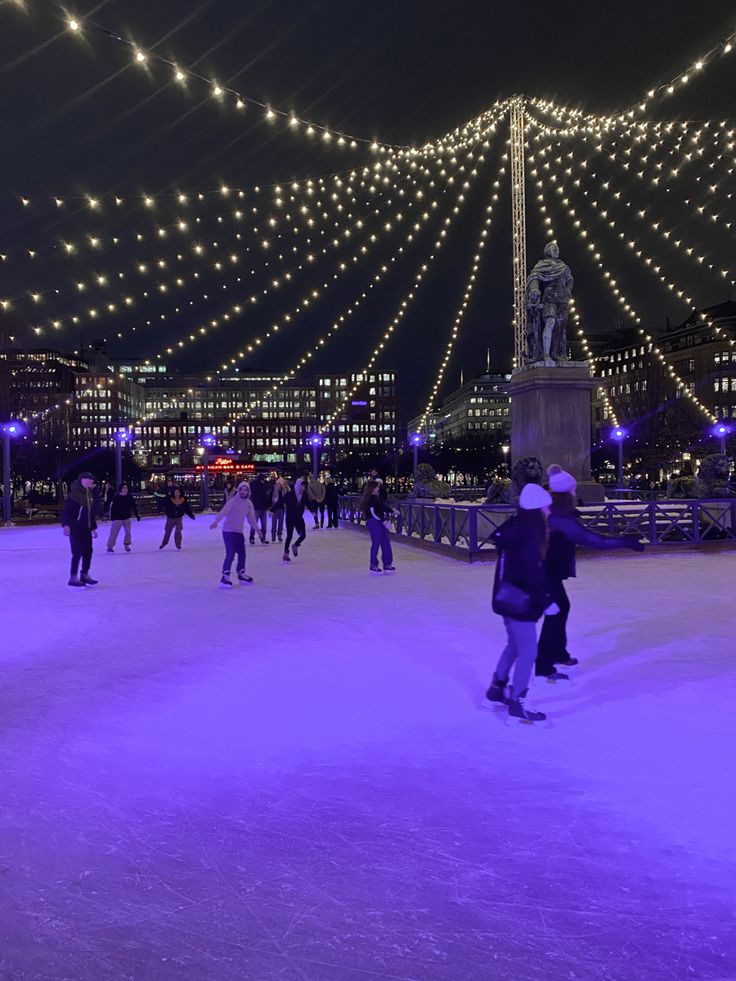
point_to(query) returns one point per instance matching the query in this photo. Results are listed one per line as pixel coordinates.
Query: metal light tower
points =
(518, 219)
(122, 438)
(416, 441)
(315, 443)
(207, 441)
(10, 430)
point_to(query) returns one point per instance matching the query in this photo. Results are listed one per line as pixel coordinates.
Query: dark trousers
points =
(234, 545)
(321, 508)
(332, 514)
(552, 646)
(380, 538)
(260, 520)
(296, 525)
(172, 524)
(277, 523)
(81, 545)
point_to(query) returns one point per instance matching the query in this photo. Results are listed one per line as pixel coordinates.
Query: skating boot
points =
(76, 583)
(376, 569)
(497, 692)
(285, 557)
(127, 548)
(225, 581)
(295, 550)
(568, 661)
(87, 579)
(243, 578)
(110, 550)
(517, 709)
(389, 568)
(554, 676)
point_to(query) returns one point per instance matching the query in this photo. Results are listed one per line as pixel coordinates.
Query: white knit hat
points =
(562, 482)
(533, 496)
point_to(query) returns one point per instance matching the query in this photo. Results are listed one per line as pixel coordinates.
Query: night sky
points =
(80, 117)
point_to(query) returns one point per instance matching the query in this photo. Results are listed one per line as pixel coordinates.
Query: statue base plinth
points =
(551, 415)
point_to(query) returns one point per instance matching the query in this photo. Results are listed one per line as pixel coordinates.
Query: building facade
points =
(481, 406)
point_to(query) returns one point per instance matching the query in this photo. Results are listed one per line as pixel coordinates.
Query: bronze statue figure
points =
(548, 291)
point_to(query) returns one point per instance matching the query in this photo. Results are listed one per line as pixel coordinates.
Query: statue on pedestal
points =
(548, 291)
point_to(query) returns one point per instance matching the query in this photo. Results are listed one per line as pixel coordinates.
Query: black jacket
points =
(174, 510)
(294, 505)
(79, 510)
(520, 562)
(123, 507)
(277, 498)
(331, 494)
(376, 508)
(567, 531)
(260, 494)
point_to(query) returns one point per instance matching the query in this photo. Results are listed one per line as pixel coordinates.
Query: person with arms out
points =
(175, 507)
(80, 526)
(377, 514)
(122, 509)
(566, 531)
(294, 503)
(235, 512)
(521, 595)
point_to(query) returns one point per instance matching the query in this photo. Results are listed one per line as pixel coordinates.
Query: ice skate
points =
(76, 583)
(497, 692)
(243, 578)
(87, 579)
(376, 569)
(568, 661)
(110, 551)
(295, 550)
(389, 569)
(517, 709)
(554, 676)
(285, 557)
(127, 548)
(225, 581)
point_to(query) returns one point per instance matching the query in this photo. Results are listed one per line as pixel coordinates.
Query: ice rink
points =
(301, 779)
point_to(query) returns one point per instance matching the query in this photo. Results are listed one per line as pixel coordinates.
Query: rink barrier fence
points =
(466, 530)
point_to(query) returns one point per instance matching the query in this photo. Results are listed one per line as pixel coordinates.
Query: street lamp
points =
(207, 441)
(122, 438)
(315, 442)
(505, 450)
(720, 431)
(10, 430)
(619, 435)
(416, 441)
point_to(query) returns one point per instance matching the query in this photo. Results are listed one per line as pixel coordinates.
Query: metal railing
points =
(468, 529)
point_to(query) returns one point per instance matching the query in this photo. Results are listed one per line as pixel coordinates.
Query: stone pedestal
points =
(551, 415)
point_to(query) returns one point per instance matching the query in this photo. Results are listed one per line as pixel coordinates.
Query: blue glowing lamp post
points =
(122, 438)
(720, 431)
(416, 441)
(619, 435)
(10, 430)
(315, 442)
(207, 441)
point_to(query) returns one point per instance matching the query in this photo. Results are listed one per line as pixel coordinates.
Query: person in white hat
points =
(566, 531)
(521, 595)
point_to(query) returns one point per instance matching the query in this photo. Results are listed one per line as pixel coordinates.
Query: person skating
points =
(107, 496)
(316, 498)
(294, 503)
(280, 490)
(566, 531)
(235, 512)
(521, 595)
(175, 507)
(122, 509)
(377, 514)
(79, 524)
(228, 491)
(332, 503)
(260, 495)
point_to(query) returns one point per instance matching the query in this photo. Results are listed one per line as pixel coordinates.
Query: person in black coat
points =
(79, 524)
(566, 532)
(521, 595)
(377, 515)
(280, 490)
(260, 495)
(331, 503)
(122, 509)
(175, 507)
(294, 503)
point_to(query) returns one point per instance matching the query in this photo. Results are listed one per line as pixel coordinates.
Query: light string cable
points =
(597, 256)
(314, 293)
(377, 278)
(404, 306)
(218, 262)
(545, 216)
(467, 293)
(579, 169)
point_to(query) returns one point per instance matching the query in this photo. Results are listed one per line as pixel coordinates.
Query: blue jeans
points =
(234, 545)
(520, 653)
(380, 538)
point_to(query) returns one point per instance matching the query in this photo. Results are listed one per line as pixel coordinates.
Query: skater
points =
(294, 503)
(375, 475)
(280, 490)
(175, 507)
(332, 502)
(377, 515)
(521, 595)
(260, 496)
(316, 493)
(160, 495)
(107, 495)
(80, 526)
(566, 531)
(121, 511)
(235, 512)
(228, 491)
